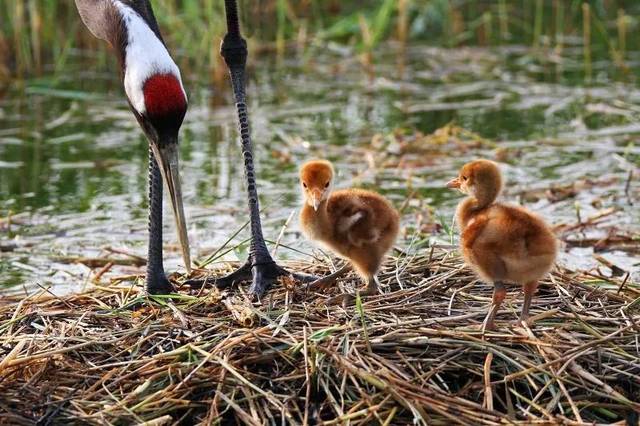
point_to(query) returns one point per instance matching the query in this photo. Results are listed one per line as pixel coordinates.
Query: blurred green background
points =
(39, 36)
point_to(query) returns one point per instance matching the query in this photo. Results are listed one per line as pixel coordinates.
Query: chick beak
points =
(167, 157)
(316, 196)
(454, 183)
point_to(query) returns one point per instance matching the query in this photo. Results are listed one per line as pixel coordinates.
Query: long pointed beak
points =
(167, 158)
(454, 183)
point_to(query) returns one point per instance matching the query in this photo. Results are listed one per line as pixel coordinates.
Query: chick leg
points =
(329, 279)
(529, 290)
(371, 288)
(499, 293)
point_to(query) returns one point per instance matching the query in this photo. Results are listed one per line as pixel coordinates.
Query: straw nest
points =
(412, 355)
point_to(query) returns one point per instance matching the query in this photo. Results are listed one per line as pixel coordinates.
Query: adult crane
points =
(157, 98)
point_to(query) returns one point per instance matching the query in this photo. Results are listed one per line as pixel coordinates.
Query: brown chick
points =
(502, 243)
(357, 225)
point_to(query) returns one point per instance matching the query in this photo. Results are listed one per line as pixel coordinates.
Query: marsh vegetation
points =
(398, 94)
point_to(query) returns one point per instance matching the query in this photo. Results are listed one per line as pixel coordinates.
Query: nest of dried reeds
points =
(412, 355)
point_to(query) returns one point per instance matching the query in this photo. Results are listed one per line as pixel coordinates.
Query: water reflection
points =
(73, 164)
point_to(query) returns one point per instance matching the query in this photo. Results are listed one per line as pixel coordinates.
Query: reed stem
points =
(621, 24)
(537, 24)
(35, 23)
(403, 26)
(281, 16)
(504, 20)
(586, 40)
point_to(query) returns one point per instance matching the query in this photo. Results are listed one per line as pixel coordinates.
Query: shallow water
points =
(73, 160)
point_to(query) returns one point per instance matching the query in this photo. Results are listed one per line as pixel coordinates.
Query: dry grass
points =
(413, 354)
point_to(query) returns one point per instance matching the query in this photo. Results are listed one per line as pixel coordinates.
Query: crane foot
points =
(159, 284)
(261, 275)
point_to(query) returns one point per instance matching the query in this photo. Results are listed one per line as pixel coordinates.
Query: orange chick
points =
(501, 242)
(357, 225)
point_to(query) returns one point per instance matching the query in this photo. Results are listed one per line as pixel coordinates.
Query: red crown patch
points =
(163, 95)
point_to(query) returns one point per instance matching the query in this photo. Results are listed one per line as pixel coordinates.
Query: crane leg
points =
(157, 282)
(260, 267)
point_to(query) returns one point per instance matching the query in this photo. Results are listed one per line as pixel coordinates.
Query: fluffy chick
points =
(357, 225)
(501, 242)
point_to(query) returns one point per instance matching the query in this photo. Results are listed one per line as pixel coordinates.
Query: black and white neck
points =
(151, 78)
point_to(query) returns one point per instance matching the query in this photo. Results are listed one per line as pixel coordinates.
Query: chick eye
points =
(304, 184)
(464, 178)
(326, 185)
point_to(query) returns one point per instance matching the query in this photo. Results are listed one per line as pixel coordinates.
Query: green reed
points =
(537, 23)
(38, 36)
(586, 41)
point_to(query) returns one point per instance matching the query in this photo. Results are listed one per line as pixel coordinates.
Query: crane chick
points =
(502, 243)
(357, 225)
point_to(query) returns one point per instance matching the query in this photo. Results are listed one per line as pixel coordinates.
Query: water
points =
(73, 162)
